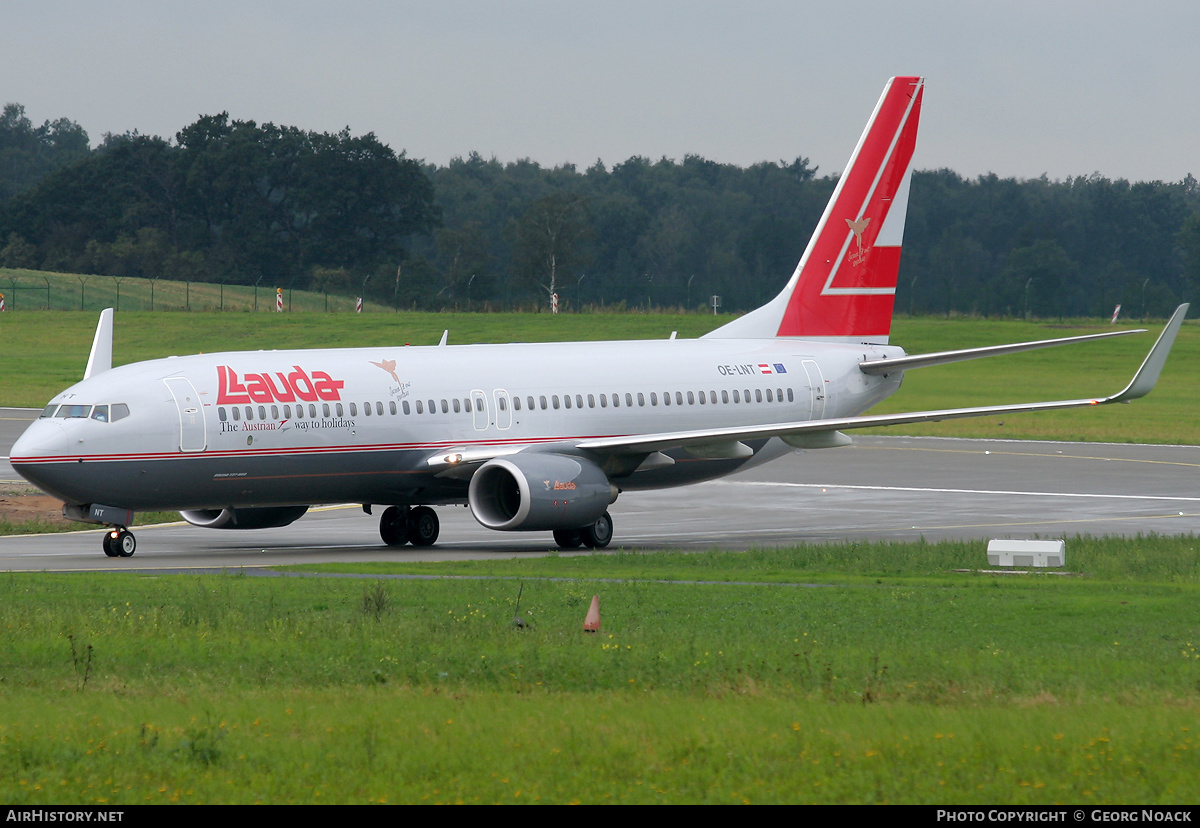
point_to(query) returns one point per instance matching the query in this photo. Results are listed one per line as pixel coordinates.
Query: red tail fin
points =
(845, 284)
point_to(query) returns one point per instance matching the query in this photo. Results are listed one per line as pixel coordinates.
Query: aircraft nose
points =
(43, 439)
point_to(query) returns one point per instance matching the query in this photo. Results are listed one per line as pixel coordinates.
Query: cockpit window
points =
(119, 411)
(49, 410)
(74, 411)
(100, 413)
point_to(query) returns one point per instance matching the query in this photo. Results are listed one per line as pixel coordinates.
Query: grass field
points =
(896, 681)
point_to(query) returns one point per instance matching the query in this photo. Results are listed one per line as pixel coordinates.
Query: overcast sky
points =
(1017, 88)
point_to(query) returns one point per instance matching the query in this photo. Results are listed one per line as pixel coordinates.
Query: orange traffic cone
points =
(592, 622)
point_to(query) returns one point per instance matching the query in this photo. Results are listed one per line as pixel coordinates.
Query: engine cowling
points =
(532, 492)
(262, 517)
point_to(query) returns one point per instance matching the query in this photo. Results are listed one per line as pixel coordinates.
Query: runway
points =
(880, 488)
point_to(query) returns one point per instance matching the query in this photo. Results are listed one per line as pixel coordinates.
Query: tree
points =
(552, 238)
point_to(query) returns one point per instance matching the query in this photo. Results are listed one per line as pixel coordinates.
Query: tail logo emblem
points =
(858, 228)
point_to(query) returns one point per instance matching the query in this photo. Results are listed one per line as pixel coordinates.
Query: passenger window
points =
(603, 401)
(391, 407)
(419, 407)
(653, 398)
(406, 408)
(769, 397)
(445, 408)
(737, 398)
(379, 407)
(725, 397)
(299, 412)
(287, 412)
(543, 398)
(702, 400)
(503, 403)
(529, 403)
(516, 403)
(567, 400)
(712, 397)
(249, 412)
(262, 412)
(554, 401)
(679, 398)
(353, 410)
(432, 407)
(312, 410)
(579, 400)
(367, 409)
(691, 399)
(747, 392)
(220, 414)
(629, 400)
(758, 395)
(457, 406)
(237, 413)
(275, 412)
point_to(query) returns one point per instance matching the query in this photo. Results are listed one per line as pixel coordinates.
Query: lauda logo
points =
(286, 388)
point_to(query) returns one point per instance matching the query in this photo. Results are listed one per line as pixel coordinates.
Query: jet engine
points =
(532, 492)
(263, 517)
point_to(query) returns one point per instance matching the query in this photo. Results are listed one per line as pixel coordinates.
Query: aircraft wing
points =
(1141, 384)
(726, 442)
(885, 366)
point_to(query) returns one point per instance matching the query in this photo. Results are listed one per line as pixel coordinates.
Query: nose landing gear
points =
(119, 543)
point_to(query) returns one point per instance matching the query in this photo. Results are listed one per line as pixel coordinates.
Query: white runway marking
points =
(824, 486)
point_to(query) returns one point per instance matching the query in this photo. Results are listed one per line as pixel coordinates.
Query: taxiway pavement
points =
(880, 488)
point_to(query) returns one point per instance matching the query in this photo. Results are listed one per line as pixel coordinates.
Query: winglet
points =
(100, 359)
(445, 337)
(1147, 375)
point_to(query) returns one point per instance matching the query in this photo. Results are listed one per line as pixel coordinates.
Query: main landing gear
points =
(119, 542)
(399, 525)
(596, 536)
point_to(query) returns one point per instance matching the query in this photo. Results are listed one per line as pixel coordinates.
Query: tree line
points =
(237, 202)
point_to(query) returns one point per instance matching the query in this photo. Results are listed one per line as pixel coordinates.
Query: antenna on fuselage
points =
(100, 359)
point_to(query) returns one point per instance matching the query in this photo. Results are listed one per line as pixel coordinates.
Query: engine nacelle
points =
(531, 492)
(263, 517)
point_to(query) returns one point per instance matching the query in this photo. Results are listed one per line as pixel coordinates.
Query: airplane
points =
(532, 437)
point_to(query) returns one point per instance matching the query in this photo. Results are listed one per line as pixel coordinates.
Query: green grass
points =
(899, 681)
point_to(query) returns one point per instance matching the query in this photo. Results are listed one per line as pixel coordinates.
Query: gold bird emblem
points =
(857, 228)
(388, 365)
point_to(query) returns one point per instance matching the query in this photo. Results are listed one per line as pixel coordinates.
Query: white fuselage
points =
(318, 426)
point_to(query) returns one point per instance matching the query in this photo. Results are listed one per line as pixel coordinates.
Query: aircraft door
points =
(816, 387)
(504, 415)
(192, 435)
(479, 410)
